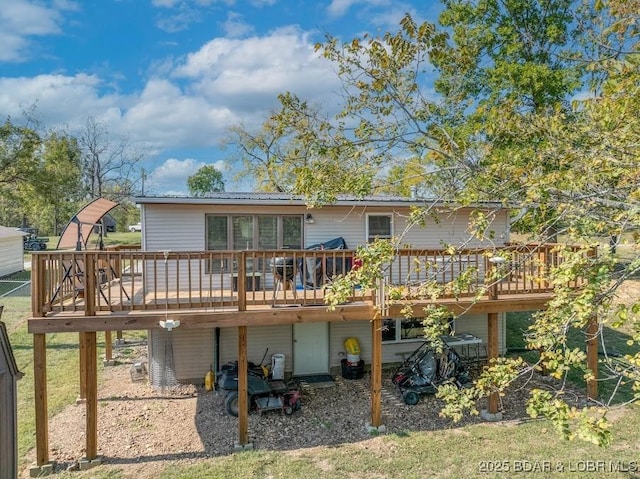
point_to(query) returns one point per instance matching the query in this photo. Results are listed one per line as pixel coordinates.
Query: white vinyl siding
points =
(392, 352)
(339, 332)
(277, 339)
(179, 227)
(182, 227)
(193, 352)
(11, 252)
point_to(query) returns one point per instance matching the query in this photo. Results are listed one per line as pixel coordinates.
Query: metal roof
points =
(10, 232)
(272, 199)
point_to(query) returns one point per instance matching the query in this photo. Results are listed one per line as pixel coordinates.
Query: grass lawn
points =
(530, 449)
(609, 391)
(62, 357)
(110, 239)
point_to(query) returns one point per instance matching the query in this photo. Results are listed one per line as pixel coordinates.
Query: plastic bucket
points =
(353, 358)
(277, 366)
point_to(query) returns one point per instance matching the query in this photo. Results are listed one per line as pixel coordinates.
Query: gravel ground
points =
(141, 430)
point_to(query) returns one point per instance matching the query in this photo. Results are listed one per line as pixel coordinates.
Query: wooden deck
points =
(104, 290)
(93, 291)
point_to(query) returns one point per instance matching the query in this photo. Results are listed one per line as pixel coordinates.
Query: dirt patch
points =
(141, 431)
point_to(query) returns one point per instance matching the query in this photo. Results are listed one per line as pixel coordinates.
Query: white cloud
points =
(235, 27)
(12, 46)
(60, 100)
(338, 8)
(381, 13)
(389, 19)
(249, 73)
(179, 21)
(164, 116)
(171, 176)
(263, 3)
(173, 3)
(179, 15)
(22, 19)
(188, 106)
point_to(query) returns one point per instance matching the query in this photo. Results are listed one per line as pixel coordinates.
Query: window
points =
(291, 232)
(267, 232)
(379, 226)
(217, 232)
(251, 232)
(217, 237)
(242, 232)
(405, 329)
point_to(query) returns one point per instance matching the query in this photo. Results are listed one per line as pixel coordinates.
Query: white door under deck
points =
(310, 348)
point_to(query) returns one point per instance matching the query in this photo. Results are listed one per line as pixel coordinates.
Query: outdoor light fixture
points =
(309, 219)
(497, 260)
(169, 324)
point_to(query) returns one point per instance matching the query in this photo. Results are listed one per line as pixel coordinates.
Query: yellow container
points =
(208, 380)
(352, 346)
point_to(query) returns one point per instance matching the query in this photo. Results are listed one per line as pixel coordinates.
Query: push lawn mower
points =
(425, 370)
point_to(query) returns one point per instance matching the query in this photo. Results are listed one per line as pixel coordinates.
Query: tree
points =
(18, 160)
(298, 149)
(55, 196)
(504, 127)
(107, 165)
(39, 177)
(206, 180)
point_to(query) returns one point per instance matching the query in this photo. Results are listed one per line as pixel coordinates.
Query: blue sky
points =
(173, 75)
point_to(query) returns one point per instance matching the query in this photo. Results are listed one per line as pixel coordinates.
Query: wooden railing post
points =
(90, 286)
(242, 281)
(37, 285)
(490, 272)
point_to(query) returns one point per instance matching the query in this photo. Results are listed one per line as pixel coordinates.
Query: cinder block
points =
(41, 471)
(491, 417)
(242, 447)
(86, 464)
(381, 429)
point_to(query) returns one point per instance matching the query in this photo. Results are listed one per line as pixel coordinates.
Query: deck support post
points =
(108, 348)
(91, 385)
(592, 358)
(40, 394)
(492, 327)
(376, 372)
(243, 366)
(243, 393)
(82, 342)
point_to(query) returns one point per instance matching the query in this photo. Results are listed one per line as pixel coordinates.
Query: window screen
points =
(379, 226)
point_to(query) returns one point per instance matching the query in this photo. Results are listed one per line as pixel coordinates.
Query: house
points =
(11, 251)
(9, 375)
(235, 275)
(267, 221)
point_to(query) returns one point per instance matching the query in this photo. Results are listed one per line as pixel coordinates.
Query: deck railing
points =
(93, 281)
